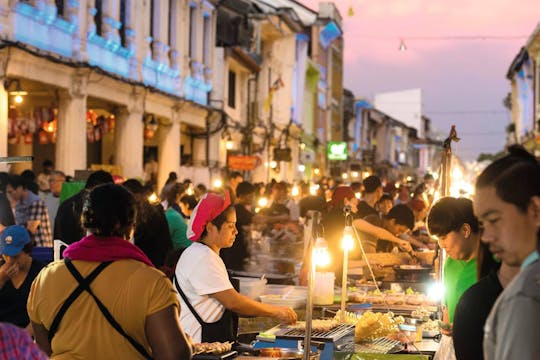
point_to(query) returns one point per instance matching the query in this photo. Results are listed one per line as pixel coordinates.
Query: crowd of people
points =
(169, 258)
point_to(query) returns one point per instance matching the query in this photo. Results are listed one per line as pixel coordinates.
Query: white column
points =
(71, 135)
(169, 148)
(110, 24)
(128, 136)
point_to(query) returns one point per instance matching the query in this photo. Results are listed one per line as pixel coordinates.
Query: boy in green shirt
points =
(452, 222)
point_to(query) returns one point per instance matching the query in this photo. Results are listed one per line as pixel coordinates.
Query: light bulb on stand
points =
(321, 256)
(347, 242)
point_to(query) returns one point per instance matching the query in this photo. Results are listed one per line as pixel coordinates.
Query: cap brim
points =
(11, 250)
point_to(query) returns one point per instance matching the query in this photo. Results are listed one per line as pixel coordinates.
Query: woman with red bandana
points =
(211, 301)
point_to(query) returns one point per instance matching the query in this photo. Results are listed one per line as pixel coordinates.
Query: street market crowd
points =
(147, 276)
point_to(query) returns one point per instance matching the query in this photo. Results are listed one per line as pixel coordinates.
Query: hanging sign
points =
(243, 162)
(337, 150)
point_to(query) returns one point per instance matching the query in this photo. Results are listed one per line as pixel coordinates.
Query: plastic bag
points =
(446, 349)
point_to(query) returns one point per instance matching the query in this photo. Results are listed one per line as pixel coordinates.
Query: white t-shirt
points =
(200, 271)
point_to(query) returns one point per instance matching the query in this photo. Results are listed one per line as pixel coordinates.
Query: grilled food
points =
(320, 325)
(212, 348)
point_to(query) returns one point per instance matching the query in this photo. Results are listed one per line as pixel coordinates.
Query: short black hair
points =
(385, 197)
(98, 178)
(449, 214)
(372, 183)
(134, 186)
(189, 200)
(236, 174)
(245, 188)
(402, 215)
(17, 181)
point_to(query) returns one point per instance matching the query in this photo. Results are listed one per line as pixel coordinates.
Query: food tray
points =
(294, 302)
(223, 356)
(430, 334)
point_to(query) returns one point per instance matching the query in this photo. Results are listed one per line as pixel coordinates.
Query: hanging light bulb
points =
(18, 93)
(402, 46)
(229, 144)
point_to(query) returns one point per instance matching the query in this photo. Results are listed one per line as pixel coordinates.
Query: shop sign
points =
(243, 162)
(282, 154)
(337, 150)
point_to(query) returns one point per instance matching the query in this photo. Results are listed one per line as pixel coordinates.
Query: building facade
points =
(107, 82)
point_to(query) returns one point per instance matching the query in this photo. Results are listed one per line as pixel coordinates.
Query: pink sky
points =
(456, 76)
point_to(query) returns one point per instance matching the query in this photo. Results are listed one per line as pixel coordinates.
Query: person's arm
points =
(41, 335)
(243, 305)
(381, 233)
(166, 338)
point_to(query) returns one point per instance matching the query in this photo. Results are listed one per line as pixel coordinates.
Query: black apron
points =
(225, 329)
(84, 285)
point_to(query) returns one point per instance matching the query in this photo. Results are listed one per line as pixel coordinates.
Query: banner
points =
(243, 162)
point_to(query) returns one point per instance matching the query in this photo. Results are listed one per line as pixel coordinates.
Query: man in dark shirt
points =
(67, 225)
(373, 191)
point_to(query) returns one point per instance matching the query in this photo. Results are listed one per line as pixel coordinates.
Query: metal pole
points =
(344, 283)
(311, 282)
(445, 187)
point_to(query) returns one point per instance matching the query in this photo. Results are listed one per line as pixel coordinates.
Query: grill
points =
(340, 338)
(379, 346)
(333, 335)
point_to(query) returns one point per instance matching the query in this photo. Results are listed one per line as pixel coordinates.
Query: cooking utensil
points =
(415, 259)
(412, 272)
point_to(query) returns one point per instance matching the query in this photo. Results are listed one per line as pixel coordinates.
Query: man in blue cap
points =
(17, 271)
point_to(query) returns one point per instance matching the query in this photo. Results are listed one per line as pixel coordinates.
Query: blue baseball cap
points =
(13, 239)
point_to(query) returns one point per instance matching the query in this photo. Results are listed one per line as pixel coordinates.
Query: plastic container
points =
(292, 301)
(251, 287)
(323, 291)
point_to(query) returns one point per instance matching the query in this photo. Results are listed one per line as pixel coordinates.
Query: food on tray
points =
(421, 313)
(375, 325)
(212, 348)
(395, 299)
(359, 297)
(415, 299)
(319, 325)
(431, 325)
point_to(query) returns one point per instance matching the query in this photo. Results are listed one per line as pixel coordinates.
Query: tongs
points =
(415, 259)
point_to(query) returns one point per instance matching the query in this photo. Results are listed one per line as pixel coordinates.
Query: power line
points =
(444, 37)
(486, 133)
(467, 112)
